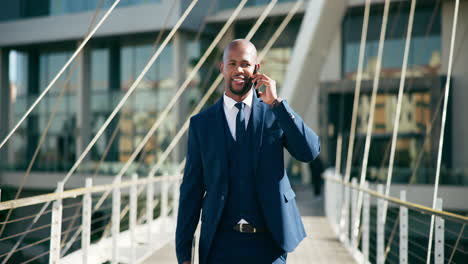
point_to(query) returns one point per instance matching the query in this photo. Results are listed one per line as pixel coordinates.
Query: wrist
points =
(276, 102)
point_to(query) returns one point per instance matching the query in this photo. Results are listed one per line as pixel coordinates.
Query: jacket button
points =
(222, 197)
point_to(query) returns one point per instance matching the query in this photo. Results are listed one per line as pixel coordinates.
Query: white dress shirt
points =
(230, 110)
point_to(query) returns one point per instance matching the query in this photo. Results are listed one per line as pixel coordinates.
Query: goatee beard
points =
(243, 91)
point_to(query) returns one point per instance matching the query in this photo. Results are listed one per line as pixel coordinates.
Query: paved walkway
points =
(320, 246)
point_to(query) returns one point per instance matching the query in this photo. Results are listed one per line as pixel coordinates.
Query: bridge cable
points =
(114, 133)
(171, 104)
(197, 109)
(399, 103)
(54, 80)
(355, 228)
(362, 49)
(130, 90)
(117, 128)
(51, 118)
(442, 129)
(432, 123)
(216, 83)
(174, 99)
(179, 22)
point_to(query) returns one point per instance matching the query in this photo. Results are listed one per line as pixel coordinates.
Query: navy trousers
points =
(232, 247)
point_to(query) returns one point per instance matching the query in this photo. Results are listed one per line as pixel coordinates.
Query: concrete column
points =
(5, 94)
(114, 86)
(83, 114)
(32, 122)
(179, 65)
(319, 34)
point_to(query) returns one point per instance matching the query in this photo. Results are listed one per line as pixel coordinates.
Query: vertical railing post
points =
(326, 199)
(149, 209)
(338, 197)
(380, 226)
(332, 197)
(365, 223)
(354, 197)
(56, 228)
(175, 199)
(329, 209)
(164, 201)
(403, 255)
(439, 235)
(115, 221)
(133, 217)
(345, 216)
(86, 222)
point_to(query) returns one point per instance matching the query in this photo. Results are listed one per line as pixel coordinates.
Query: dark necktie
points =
(240, 122)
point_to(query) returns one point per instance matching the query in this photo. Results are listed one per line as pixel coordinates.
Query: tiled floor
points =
(320, 245)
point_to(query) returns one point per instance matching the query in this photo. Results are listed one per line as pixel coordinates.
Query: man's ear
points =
(221, 67)
(257, 67)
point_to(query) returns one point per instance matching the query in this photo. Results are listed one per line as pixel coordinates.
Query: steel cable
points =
(54, 80)
(442, 129)
(371, 114)
(165, 112)
(130, 90)
(51, 118)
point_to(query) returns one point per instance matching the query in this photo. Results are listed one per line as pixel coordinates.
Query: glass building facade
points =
(414, 148)
(20, 9)
(113, 69)
(223, 4)
(425, 50)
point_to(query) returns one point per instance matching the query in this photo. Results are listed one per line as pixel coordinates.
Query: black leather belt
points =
(247, 228)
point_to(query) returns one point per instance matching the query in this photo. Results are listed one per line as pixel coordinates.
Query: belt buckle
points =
(241, 228)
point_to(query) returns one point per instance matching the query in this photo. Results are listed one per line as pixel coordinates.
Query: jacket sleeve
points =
(301, 142)
(191, 195)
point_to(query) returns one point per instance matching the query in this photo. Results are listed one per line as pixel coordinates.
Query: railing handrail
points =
(418, 207)
(73, 193)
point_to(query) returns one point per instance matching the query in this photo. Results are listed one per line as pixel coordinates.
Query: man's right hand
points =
(186, 262)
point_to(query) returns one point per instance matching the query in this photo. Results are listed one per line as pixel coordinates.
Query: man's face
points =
(238, 68)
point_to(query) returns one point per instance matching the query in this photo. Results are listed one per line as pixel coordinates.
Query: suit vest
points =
(242, 201)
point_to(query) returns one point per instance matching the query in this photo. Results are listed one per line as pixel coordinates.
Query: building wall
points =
(123, 20)
(459, 82)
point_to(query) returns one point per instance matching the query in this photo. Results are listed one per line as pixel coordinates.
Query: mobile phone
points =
(255, 83)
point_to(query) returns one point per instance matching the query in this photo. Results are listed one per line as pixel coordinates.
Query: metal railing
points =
(402, 235)
(105, 233)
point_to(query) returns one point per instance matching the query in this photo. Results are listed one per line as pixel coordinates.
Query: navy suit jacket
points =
(204, 186)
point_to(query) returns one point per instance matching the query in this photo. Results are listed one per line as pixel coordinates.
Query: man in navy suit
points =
(234, 173)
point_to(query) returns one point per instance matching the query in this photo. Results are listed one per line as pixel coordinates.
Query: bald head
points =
(240, 44)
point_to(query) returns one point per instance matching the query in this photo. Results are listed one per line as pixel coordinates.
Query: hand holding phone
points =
(269, 94)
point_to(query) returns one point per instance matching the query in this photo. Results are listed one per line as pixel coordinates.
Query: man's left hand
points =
(269, 95)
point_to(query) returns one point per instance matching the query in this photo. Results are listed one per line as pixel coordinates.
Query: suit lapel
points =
(219, 136)
(258, 115)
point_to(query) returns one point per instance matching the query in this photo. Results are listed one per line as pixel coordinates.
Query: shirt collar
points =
(229, 102)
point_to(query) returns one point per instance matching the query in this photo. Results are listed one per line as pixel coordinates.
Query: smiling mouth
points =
(238, 80)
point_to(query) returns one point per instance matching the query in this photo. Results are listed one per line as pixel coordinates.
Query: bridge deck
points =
(320, 246)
